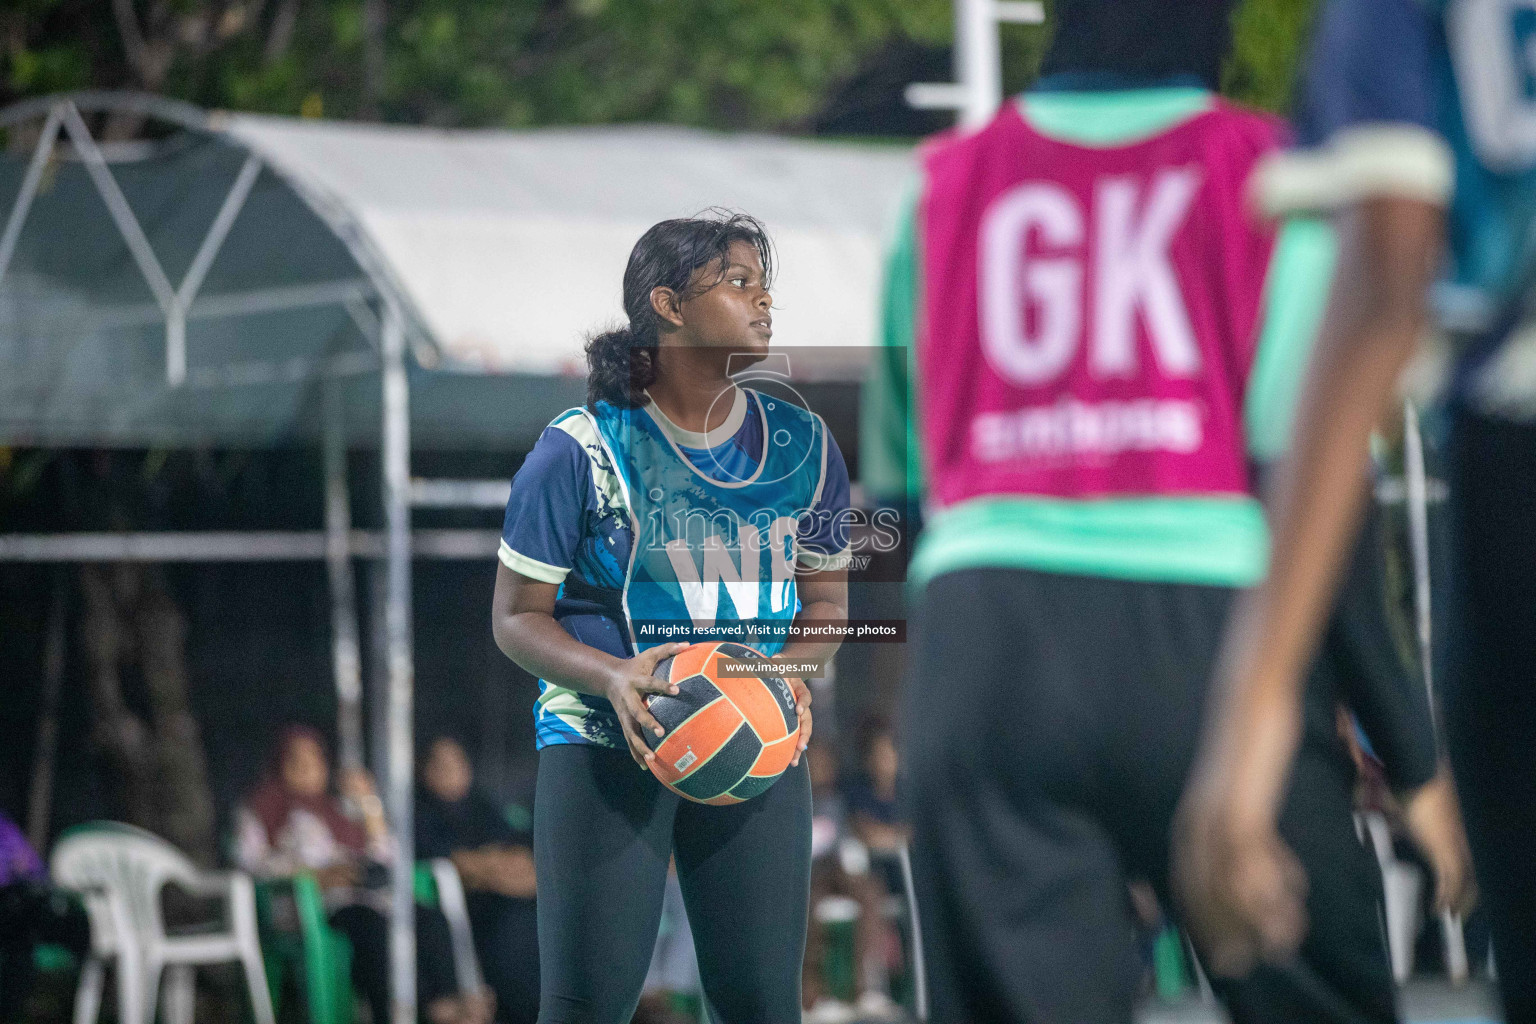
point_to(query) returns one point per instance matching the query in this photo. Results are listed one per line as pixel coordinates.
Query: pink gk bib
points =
(1090, 315)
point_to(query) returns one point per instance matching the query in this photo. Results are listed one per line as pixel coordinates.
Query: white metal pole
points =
(346, 658)
(1417, 479)
(397, 525)
(978, 87)
(29, 186)
(218, 231)
(377, 581)
(978, 61)
(138, 244)
(1418, 542)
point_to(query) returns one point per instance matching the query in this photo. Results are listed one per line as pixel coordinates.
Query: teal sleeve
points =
(1294, 297)
(888, 453)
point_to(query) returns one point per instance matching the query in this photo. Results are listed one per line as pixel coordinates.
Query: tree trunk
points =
(40, 797)
(157, 772)
(186, 802)
(117, 734)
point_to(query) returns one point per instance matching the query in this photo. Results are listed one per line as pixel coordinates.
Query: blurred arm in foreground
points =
(1378, 160)
(1242, 889)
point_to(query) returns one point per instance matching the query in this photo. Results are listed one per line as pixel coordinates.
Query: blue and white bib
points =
(713, 552)
(714, 546)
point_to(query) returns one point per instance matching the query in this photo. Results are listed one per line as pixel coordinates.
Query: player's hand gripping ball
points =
(727, 739)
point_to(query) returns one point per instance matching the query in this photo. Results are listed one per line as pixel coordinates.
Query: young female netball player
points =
(630, 512)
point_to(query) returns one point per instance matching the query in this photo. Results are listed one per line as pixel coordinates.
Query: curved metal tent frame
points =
(62, 114)
(60, 302)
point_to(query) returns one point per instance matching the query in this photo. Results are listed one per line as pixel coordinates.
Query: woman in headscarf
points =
(292, 823)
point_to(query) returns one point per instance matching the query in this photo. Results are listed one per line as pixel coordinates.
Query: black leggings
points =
(1050, 724)
(604, 831)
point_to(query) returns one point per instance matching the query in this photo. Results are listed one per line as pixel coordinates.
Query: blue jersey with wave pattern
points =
(588, 491)
(1461, 73)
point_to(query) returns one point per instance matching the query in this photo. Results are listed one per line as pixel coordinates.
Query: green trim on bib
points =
(1214, 541)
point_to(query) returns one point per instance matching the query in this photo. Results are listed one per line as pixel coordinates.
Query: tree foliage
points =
(726, 63)
(1268, 39)
(718, 63)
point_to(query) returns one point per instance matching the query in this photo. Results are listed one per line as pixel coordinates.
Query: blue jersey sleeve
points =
(1371, 63)
(823, 533)
(1368, 112)
(546, 511)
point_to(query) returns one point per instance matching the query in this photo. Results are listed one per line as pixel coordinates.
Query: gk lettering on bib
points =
(1090, 314)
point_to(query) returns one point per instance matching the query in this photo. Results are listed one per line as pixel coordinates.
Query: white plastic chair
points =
(919, 967)
(112, 939)
(451, 901)
(121, 871)
(856, 859)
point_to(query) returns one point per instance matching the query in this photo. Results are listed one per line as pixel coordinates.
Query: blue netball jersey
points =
(721, 519)
(1434, 99)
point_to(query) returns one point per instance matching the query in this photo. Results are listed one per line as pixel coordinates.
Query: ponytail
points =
(619, 368)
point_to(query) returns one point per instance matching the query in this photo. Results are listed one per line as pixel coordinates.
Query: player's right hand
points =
(1241, 892)
(626, 690)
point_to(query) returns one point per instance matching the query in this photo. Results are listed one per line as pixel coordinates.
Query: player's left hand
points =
(802, 694)
(1240, 890)
(1434, 818)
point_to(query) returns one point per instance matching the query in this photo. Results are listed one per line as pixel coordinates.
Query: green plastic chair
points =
(321, 955)
(839, 916)
(1170, 969)
(324, 955)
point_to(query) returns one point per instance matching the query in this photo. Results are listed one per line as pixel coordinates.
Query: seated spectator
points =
(292, 823)
(32, 912)
(872, 807)
(840, 870)
(456, 821)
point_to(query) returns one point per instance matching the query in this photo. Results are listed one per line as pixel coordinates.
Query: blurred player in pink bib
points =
(1101, 338)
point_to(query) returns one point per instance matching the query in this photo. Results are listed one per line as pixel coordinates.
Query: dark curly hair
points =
(621, 363)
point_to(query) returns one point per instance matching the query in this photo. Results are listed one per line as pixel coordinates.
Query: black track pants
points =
(604, 831)
(1050, 724)
(1490, 690)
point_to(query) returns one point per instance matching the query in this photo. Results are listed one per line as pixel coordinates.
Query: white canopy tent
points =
(511, 246)
(250, 281)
